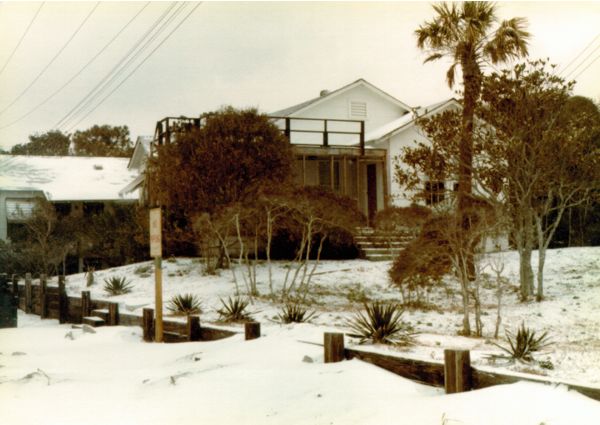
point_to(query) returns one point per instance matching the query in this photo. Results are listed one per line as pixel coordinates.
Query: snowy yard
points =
(112, 377)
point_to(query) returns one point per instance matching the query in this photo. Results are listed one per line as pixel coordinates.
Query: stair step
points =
(93, 321)
(169, 336)
(102, 313)
(380, 257)
(377, 251)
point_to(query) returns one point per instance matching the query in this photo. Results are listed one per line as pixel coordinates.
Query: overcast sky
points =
(266, 55)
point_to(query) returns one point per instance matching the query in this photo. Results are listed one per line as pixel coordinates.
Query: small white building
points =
(71, 183)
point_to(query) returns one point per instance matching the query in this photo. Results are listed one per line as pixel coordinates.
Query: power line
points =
(52, 60)
(61, 88)
(97, 88)
(583, 61)
(141, 63)
(584, 69)
(157, 31)
(580, 53)
(22, 38)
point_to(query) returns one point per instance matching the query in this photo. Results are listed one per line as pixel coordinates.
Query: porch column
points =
(345, 177)
(331, 174)
(385, 182)
(303, 170)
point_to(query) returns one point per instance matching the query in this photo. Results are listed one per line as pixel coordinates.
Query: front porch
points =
(331, 153)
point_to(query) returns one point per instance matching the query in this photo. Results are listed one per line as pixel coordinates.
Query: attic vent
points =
(98, 167)
(19, 209)
(358, 109)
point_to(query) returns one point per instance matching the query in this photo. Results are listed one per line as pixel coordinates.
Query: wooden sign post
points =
(156, 252)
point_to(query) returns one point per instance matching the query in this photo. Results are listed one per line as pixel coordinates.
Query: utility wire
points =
(583, 61)
(130, 61)
(61, 88)
(114, 70)
(52, 60)
(580, 53)
(141, 63)
(22, 38)
(584, 69)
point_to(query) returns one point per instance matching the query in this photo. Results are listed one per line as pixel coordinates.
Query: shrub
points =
(381, 323)
(395, 219)
(295, 313)
(424, 261)
(235, 309)
(144, 269)
(185, 304)
(524, 343)
(116, 285)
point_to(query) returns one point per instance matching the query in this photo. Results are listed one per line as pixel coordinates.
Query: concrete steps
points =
(380, 246)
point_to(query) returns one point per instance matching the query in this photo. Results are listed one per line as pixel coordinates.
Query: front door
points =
(371, 192)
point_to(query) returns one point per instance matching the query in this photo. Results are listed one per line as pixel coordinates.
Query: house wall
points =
(379, 112)
(12, 194)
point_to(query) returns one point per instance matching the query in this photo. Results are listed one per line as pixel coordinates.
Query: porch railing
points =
(289, 129)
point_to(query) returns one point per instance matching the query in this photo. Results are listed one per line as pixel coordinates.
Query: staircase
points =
(380, 246)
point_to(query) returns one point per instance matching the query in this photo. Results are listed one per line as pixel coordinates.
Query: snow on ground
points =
(113, 377)
(57, 374)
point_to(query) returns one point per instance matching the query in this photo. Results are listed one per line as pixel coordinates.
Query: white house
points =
(71, 183)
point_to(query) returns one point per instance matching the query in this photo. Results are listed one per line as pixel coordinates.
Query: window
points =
(325, 174)
(434, 192)
(19, 209)
(358, 109)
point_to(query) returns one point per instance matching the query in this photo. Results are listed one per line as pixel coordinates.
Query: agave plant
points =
(381, 323)
(235, 309)
(295, 313)
(117, 285)
(184, 304)
(524, 343)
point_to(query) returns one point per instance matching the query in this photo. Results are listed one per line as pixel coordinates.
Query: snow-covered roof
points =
(141, 151)
(405, 121)
(327, 95)
(67, 178)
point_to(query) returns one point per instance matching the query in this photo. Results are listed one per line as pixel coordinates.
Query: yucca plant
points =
(381, 323)
(524, 343)
(234, 309)
(117, 285)
(295, 313)
(184, 304)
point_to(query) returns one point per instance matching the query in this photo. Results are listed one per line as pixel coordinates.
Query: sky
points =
(267, 55)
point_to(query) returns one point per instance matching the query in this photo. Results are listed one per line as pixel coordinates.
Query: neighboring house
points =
(75, 185)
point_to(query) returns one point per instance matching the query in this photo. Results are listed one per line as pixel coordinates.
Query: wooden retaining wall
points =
(434, 373)
(36, 297)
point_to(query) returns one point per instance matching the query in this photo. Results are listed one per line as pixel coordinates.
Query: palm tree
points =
(465, 33)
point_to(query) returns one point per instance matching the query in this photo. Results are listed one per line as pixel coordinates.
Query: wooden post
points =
(193, 328)
(113, 314)
(158, 329)
(63, 308)
(148, 324)
(28, 293)
(252, 330)
(334, 347)
(457, 371)
(15, 285)
(384, 177)
(325, 134)
(85, 304)
(43, 297)
(362, 138)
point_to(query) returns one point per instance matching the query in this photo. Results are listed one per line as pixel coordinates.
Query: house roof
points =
(67, 178)
(406, 121)
(304, 105)
(141, 150)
